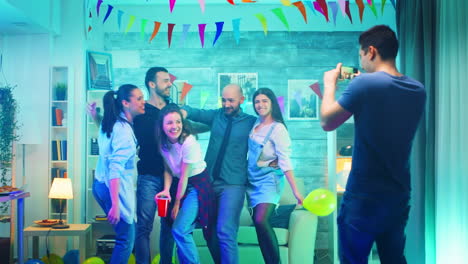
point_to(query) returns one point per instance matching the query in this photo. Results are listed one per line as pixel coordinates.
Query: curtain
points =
(416, 32)
(451, 169)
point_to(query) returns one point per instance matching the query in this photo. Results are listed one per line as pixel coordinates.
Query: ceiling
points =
(14, 22)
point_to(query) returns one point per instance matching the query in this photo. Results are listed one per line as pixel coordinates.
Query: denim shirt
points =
(117, 161)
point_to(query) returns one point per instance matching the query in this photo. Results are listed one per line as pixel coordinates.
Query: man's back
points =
(387, 110)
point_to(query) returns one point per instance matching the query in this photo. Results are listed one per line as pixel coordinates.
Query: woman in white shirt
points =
(268, 142)
(185, 168)
(113, 186)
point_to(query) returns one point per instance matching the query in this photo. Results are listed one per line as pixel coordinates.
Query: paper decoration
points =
(298, 98)
(348, 12)
(301, 8)
(201, 32)
(248, 1)
(369, 2)
(130, 23)
(281, 103)
(155, 30)
(109, 10)
(316, 88)
(172, 77)
(231, 2)
(171, 4)
(185, 29)
(321, 6)
(89, 28)
(372, 7)
(393, 3)
(119, 18)
(219, 30)
(311, 7)
(342, 4)
(236, 29)
(142, 28)
(360, 5)
(170, 28)
(286, 2)
(98, 6)
(202, 5)
(203, 98)
(185, 89)
(279, 13)
(334, 7)
(383, 5)
(262, 20)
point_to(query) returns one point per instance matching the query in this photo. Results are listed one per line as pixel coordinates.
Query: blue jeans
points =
(223, 243)
(363, 220)
(183, 227)
(147, 187)
(124, 232)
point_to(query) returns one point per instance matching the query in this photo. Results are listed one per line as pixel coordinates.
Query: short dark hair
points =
(383, 38)
(150, 75)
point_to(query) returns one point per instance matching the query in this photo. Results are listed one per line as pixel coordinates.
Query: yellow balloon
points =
(52, 259)
(321, 202)
(94, 260)
(156, 259)
(131, 259)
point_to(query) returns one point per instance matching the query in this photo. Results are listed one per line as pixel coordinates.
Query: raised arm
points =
(200, 115)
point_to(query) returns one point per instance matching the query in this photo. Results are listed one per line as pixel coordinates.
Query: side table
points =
(82, 231)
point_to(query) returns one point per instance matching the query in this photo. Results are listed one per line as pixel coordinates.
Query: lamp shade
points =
(61, 189)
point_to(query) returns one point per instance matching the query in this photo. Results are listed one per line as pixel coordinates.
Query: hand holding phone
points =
(348, 73)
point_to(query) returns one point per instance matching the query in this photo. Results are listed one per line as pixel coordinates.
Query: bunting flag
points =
(360, 5)
(348, 12)
(155, 30)
(231, 2)
(185, 89)
(298, 98)
(142, 28)
(185, 29)
(202, 5)
(98, 6)
(279, 13)
(170, 28)
(203, 98)
(316, 88)
(90, 15)
(321, 6)
(393, 3)
(171, 5)
(109, 10)
(262, 20)
(311, 7)
(372, 7)
(343, 6)
(130, 23)
(383, 5)
(281, 103)
(334, 8)
(89, 28)
(172, 77)
(119, 18)
(248, 1)
(301, 8)
(236, 29)
(219, 30)
(201, 32)
(286, 2)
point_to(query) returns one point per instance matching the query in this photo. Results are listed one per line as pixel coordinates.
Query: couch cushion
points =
(246, 235)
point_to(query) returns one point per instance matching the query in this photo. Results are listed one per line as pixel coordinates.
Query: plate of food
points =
(47, 222)
(7, 190)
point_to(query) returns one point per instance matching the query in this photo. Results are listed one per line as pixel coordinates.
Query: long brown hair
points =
(275, 109)
(161, 137)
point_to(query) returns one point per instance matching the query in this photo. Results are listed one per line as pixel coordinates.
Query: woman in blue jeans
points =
(185, 168)
(114, 187)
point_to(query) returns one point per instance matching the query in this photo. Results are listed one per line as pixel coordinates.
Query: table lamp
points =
(61, 189)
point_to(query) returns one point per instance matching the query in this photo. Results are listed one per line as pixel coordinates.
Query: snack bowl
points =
(48, 222)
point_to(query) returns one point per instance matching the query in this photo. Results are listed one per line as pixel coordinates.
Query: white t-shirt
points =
(188, 152)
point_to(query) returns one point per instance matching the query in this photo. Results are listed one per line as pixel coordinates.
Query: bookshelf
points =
(60, 133)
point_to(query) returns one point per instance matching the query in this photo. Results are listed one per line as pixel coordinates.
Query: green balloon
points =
(321, 202)
(52, 259)
(94, 260)
(156, 259)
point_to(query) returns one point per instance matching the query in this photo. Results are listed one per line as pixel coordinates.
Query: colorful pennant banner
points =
(334, 7)
(360, 5)
(301, 8)
(236, 29)
(157, 25)
(263, 20)
(219, 30)
(279, 13)
(201, 32)
(109, 10)
(130, 23)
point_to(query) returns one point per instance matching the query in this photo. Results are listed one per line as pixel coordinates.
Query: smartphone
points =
(348, 73)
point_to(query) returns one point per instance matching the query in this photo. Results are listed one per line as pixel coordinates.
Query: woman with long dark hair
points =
(186, 169)
(113, 186)
(268, 142)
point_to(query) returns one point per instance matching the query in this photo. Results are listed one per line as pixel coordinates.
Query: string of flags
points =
(329, 10)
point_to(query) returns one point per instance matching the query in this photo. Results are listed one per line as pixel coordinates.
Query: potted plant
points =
(60, 91)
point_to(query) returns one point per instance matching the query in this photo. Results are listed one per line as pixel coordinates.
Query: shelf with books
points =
(60, 133)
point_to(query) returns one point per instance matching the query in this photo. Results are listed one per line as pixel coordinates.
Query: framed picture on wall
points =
(99, 68)
(302, 101)
(247, 81)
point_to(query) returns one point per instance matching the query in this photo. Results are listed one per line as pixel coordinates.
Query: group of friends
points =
(250, 156)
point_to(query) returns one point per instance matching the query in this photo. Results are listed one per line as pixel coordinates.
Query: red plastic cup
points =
(162, 204)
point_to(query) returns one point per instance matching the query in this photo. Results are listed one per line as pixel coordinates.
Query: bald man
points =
(226, 158)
